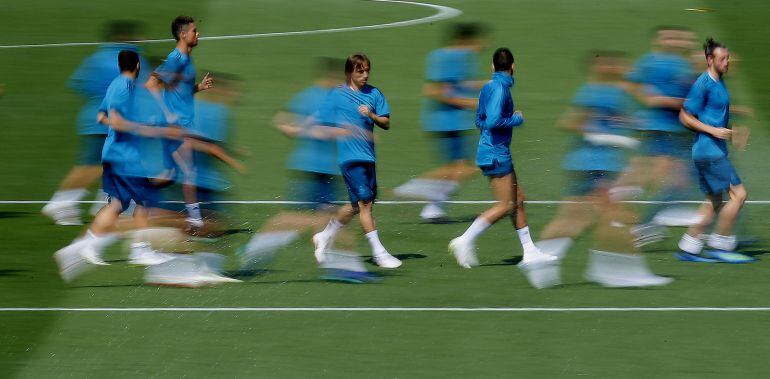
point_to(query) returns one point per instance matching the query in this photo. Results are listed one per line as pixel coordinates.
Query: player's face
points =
(190, 34)
(720, 61)
(360, 75)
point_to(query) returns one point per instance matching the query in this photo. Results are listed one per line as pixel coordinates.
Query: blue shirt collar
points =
(503, 77)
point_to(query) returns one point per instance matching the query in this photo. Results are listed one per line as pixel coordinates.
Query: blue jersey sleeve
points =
(326, 114)
(170, 70)
(638, 73)
(696, 98)
(494, 109)
(118, 99)
(381, 107)
(436, 69)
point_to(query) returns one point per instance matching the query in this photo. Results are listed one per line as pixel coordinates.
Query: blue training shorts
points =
(582, 183)
(497, 169)
(453, 146)
(715, 176)
(659, 143)
(127, 188)
(361, 181)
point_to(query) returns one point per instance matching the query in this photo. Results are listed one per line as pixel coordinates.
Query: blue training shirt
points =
(178, 74)
(341, 109)
(662, 74)
(607, 105)
(92, 78)
(122, 150)
(709, 101)
(311, 154)
(495, 118)
(453, 66)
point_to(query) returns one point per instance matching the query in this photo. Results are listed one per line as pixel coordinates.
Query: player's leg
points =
(723, 237)
(691, 242)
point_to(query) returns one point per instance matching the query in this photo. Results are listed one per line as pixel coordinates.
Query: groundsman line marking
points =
(395, 309)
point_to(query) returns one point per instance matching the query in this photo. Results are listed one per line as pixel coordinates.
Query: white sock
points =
(374, 240)
(555, 246)
(690, 244)
(478, 226)
(719, 242)
(100, 241)
(332, 228)
(525, 238)
(194, 211)
(69, 195)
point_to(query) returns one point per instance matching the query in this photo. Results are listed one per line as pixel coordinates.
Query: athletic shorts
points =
(582, 183)
(91, 146)
(659, 143)
(316, 189)
(127, 188)
(361, 181)
(453, 145)
(497, 169)
(715, 176)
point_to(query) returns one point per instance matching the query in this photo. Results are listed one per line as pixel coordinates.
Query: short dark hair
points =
(467, 30)
(711, 45)
(122, 30)
(178, 24)
(127, 60)
(355, 61)
(502, 59)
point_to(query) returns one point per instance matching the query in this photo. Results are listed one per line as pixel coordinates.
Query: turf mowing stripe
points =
(397, 309)
(442, 14)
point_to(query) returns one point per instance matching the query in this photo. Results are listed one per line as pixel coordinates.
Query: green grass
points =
(549, 39)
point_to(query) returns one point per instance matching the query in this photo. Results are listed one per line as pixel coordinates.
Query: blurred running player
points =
(600, 123)
(91, 80)
(357, 107)
(447, 116)
(707, 112)
(176, 79)
(496, 119)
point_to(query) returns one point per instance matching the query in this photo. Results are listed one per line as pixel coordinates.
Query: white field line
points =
(395, 309)
(442, 14)
(393, 202)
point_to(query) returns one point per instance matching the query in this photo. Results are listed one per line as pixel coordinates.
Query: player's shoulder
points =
(372, 90)
(177, 56)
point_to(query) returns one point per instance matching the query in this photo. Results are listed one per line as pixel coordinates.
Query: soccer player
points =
(123, 176)
(447, 117)
(176, 77)
(496, 118)
(706, 111)
(91, 80)
(357, 107)
(600, 123)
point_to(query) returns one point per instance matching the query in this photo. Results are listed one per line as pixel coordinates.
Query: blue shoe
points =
(729, 256)
(357, 277)
(687, 257)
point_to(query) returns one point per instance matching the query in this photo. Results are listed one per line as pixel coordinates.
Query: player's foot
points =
(621, 270)
(92, 255)
(144, 255)
(432, 212)
(216, 278)
(63, 213)
(543, 273)
(322, 244)
(385, 260)
(194, 225)
(534, 255)
(464, 252)
(646, 234)
(70, 263)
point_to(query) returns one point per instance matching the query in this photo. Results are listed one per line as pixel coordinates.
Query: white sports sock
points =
(525, 238)
(478, 226)
(720, 242)
(194, 211)
(332, 228)
(555, 246)
(69, 195)
(690, 244)
(100, 241)
(374, 240)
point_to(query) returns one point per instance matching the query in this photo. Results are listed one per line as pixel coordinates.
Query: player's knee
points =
(507, 207)
(739, 193)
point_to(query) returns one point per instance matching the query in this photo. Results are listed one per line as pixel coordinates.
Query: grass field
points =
(549, 39)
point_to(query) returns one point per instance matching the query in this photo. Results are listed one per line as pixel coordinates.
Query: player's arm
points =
(117, 122)
(692, 122)
(206, 83)
(438, 91)
(494, 111)
(651, 100)
(383, 122)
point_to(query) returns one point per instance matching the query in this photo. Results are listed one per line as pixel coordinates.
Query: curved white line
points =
(442, 14)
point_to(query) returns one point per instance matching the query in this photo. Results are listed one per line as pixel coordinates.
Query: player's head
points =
(467, 34)
(183, 29)
(122, 31)
(128, 62)
(717, 56)
(608, 65)
(357, 68)
(502, 60)
(329, 70)
(674, 38)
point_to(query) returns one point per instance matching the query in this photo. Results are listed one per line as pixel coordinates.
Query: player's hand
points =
(364, 110)
(721, 133)
(520, 113)
(206, 83)
(740, 137)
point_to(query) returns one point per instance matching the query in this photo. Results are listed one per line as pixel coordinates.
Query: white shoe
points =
(261, 248)
(385, 260)
(64, 213)
(621, 270)
(174, 281)
(69, 261)
(92, 255)
(464, 252)
(542, 273)
(145, 256)
(321, 244)
(534, 255)
(432, 211)
(182, 271)
(214, 278)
